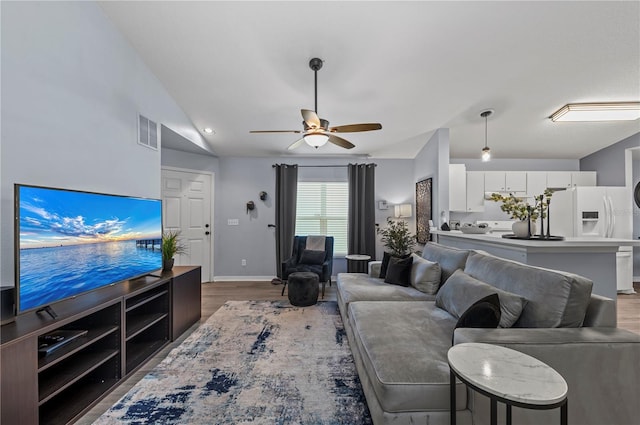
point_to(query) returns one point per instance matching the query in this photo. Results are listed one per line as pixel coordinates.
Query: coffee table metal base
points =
(494, 403)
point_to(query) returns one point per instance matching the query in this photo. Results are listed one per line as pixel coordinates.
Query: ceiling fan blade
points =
(275, 131)
(295, 144)
(352, 128)
(339, 141)
(311, 118)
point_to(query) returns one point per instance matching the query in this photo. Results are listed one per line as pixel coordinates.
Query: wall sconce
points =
(402, 211)
(263, 196)
(250, 206)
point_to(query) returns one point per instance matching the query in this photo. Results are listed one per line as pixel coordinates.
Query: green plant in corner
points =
(171, 245)
(397, 237)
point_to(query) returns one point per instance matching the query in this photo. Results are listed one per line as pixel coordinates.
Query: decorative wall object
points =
(423, 210)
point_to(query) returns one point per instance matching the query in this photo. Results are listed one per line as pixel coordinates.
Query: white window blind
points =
(321, 209)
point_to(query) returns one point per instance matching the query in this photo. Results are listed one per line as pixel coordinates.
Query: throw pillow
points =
(461, 290)
(385, 263)
(484, 313)
(312, 257)
(399, 271)
(425, 275)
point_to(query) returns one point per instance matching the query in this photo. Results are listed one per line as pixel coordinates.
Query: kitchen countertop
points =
(581, 242)
(591, 257)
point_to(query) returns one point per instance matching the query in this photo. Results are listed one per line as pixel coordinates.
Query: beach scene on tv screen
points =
(74, 242)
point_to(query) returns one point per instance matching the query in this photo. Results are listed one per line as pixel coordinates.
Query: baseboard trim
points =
(242, 278)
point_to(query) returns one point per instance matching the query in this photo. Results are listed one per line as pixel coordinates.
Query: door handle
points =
(207, 232)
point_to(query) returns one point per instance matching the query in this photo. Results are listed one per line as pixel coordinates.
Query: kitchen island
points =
(593, 258)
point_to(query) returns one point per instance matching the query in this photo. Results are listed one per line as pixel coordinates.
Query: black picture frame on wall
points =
(423, 210)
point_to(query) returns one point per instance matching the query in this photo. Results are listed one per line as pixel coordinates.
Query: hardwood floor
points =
(214, 295)
(629, 310)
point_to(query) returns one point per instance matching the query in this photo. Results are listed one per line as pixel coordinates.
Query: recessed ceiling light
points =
(612, 111)
(208, 130)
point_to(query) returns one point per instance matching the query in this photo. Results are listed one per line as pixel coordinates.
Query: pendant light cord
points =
(485, 130)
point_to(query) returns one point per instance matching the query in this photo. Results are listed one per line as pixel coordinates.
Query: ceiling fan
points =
(316, 130)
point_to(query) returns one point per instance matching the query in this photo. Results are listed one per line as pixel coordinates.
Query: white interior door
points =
(186, 205)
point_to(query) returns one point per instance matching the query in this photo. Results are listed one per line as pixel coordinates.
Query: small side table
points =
(357, 263)
(508, 376)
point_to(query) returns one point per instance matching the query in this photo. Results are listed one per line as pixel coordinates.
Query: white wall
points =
(433, 161)
(636, 222)
(71, 90)
(610, 161)
(239, 180)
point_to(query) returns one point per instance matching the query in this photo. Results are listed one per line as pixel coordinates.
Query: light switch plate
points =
(232, 222)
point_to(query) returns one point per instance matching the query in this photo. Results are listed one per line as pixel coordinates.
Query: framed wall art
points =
(423, 210)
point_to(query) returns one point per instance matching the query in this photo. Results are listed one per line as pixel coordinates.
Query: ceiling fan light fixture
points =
(610, 111)
(316, 139)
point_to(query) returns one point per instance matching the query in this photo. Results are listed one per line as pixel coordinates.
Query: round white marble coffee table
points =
(508, 376)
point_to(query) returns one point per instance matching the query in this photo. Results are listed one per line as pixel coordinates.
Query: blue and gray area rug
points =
(253, 362)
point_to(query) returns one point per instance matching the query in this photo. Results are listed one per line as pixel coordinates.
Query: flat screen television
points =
(69, 242)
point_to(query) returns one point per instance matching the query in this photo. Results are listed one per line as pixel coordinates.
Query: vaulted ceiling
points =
(412, 66)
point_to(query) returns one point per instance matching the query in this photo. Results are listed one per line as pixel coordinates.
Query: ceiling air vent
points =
(147, 132)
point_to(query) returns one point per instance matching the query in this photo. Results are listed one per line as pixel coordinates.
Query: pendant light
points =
(486, 152)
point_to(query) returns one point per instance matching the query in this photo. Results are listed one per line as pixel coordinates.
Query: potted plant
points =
(171, 246)
(519, 209)
(397, 238)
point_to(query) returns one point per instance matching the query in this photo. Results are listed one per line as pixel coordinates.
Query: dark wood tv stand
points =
(127, 324)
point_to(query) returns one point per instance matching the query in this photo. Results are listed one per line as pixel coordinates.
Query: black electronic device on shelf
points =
(50, 342)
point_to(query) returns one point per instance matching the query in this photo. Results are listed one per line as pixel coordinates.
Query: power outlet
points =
(244, 262)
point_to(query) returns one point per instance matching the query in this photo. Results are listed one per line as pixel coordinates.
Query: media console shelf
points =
(126, 325)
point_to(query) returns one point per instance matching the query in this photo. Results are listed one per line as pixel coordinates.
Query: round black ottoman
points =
(303, 289)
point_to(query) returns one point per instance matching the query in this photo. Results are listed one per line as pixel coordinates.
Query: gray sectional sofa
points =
(400, 336)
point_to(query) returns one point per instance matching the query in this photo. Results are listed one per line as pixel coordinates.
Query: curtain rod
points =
(319, 166)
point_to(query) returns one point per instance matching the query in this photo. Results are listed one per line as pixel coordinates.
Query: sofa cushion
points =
(399, 271)
(460, 291)
(450, 259)
(403, 347)
(425, 275)
(484, 313)
(361, 287)
(554, 298)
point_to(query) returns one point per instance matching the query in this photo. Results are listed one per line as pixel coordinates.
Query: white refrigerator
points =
(597, 211)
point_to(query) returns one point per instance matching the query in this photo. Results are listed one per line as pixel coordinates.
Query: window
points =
(322, 209)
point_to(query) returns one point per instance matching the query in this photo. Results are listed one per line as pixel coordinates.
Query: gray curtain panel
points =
(362, 226)
(286, 195)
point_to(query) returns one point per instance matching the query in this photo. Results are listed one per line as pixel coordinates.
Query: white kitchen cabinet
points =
(565, 179)
(457, 187)
(536, 183)
(583, 178)
(475, 191)
(505, 181)
(494, 181)
(558, 179)
(515, 181)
